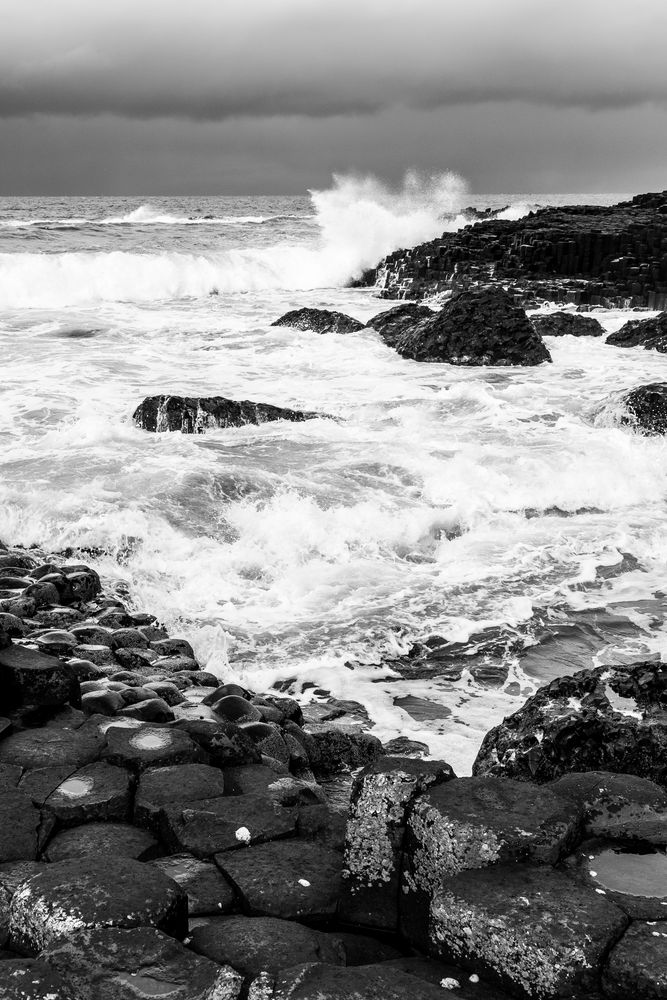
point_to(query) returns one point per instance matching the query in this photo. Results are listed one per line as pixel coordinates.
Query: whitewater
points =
(496, 509)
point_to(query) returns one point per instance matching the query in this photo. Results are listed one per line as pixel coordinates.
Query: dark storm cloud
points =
(212, 61)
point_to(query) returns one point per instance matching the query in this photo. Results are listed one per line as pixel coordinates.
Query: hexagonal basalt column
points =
(381, 796)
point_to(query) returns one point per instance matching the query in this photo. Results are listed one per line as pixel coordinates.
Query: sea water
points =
(438, 501)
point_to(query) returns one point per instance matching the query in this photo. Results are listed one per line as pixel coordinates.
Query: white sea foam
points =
(360, 221)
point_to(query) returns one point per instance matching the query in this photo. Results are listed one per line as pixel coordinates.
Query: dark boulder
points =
(651, 334)
(563, 324)
(477, 326)
(608, 718)
(319, 320)
(196, 414)
(646, 408)
(394, 323)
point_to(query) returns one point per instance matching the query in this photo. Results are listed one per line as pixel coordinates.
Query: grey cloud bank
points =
(212, 80)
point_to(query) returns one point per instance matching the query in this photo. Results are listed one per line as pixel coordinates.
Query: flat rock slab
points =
(144, 746)
(90, 892)
(116, 964)
(208, 890)
(291, 879)
(637, 965)
(19, 827)
(97, 791)
(33, 748)
(116, 840)
(31, 678)
(31, 979)
(459, 980)
(327, 982)
(619, 806)
(381, 796)
(252, 945)
(531, 929)
(163, 786)
(208, 826)
(472, 823)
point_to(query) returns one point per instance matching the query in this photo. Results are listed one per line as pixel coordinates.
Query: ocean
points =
(487, 507)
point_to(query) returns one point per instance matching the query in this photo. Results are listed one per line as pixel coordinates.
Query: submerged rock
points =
(604, 719)
(562, 324)
(319, 320)
(196, 414)
(651, 334)
(477, 326)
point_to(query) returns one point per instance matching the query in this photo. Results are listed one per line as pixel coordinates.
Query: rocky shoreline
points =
(164, 834)
(588, 255)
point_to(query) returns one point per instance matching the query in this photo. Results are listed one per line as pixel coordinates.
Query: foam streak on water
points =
(435, 503)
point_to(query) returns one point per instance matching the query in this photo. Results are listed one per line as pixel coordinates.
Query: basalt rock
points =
(584, 254)
(530, 929)
(604, 719)
(394, 323)
(111, 963)
(197, 414)
(637, 966)
(479, 326)
(646, 408)
(567, 324)
(651, 334)
(319, 320)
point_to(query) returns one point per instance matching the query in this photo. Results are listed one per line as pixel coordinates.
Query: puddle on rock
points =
(631, 873)
(154, 740)
(75, 787)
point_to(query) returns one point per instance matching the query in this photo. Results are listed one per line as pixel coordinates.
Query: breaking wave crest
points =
(360, 220)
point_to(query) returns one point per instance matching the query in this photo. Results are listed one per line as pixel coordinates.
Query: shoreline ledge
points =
(163, 833)
(612, 256)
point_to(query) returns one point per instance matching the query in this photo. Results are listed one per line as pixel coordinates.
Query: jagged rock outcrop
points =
(393, 323)
(599, 255)
(651, 334)
(562, 324)
(603, 719)
(477, 326)
(319, 320)
(197, 414)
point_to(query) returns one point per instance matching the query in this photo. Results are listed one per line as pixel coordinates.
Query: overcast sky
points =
(272, 96)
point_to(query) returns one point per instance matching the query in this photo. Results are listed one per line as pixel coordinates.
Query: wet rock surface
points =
(236, 814)
(650, 334)
(478, 326)
(567, 324)
(392, 324)
(586, 254)
(319, 321)
(197, 414)
(603, 719)
(646, 408)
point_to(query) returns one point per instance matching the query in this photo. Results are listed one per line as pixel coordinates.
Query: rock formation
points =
(562, 324)
(648, 333)
(319, 320)
(613, 255)
(197, 414)
(477, 326)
